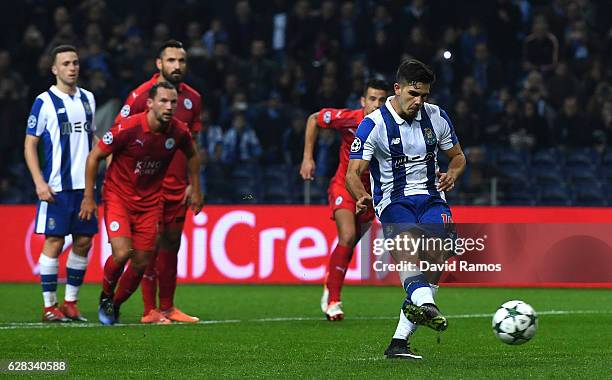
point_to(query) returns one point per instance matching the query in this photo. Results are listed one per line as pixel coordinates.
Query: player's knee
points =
(170, 240)
(347, 238)
(53, 245)
(82, 245)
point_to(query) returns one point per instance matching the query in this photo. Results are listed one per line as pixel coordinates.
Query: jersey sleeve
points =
(334, 118)
(362, 147)
(37, 121)
(447, 138)
(114, 140)
(135, 103)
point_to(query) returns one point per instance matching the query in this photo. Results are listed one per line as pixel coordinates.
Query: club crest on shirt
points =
(187, 103)
(107, 138)
(87, 108)
(169, 143)
(430, 137)
(339, 200)
(51, 224)
(114, 226)
(32, 121)
(125, 111)
(356, 145)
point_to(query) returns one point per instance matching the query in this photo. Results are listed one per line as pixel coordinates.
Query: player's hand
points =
(446, 181)
(45, 192)
(196, 200)
(187, 196)
(307, 169)
(89, 208)
(362, 204)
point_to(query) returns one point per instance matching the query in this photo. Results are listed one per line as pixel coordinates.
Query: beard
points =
(175, 80)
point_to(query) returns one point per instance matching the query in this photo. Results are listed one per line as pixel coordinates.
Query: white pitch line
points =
(40, 325)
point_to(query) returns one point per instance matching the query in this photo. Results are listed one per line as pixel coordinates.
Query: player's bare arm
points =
(43, 190)
(193, 165)
(456, 166)
(307, 169)
(88, 205)
(354, 185)
(195, 137)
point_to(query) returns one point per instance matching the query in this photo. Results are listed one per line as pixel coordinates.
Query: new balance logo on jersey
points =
(77, 127)
(395, 141)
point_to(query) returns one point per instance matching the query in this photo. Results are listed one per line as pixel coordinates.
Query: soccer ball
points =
(515, 322)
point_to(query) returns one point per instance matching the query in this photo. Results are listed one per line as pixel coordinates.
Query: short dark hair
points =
(169, 44)
(377, 84)
(156, 86)
(413, 71)
(61, 49)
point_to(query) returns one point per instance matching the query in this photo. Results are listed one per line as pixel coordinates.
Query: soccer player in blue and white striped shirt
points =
(400, 143)
(62, 121)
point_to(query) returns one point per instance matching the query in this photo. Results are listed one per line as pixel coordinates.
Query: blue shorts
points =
(61, 217)
(429, 214)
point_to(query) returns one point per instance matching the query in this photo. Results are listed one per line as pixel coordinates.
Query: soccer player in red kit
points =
(350, 226)
(142, 147)
(172, 65)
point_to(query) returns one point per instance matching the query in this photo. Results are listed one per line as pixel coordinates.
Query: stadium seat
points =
(554, 195)
(546, 174)
(547, 157)
(589, 196)
(584, 156)
(581, 173)
(607, 158)
(511, 157)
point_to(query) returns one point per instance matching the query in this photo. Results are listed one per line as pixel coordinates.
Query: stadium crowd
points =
(527, 84)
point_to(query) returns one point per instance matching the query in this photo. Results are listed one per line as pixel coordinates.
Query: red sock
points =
(166, 272)
(338, 263)
(148, 287)
(112, 272)
(127, 285)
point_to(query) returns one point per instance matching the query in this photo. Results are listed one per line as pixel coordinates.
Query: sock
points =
(48, 278)
(75, 271)
(338, 263)
(434, 289)
(130, 279)
(112, 272)
(418, 290)
(148, 287)
(404, 328)
(166, 273)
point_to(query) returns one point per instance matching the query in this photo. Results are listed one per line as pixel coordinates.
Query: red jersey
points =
(188, 109)
(346, 122)
(141, 158)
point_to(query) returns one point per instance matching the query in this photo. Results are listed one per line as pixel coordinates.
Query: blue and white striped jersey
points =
(403, 154)
(65, 125)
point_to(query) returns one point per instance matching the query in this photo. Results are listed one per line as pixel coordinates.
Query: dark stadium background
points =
(526, 83)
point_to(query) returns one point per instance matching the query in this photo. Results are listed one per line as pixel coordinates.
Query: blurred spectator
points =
(467, 125)
(417, 12)
(240, 144)
(270, 124)
(573, 129)
(383, 56)
(31, 47)
(216, 33)
(418, 46)
(533, 131)
(475, 183)
(243, 29)
(257, 71)
(560, 85)
(211, 138)
(350, 36)
(473, 35)
(540, 48)
(534, 91)
(293, 140)
(326, 157)
(486, 70)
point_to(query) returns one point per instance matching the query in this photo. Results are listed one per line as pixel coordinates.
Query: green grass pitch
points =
(279, 332)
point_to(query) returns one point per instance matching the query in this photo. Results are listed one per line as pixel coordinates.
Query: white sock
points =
(75, 266)
(48, 267)
(404, 327)
(434, 289)
(422, 295)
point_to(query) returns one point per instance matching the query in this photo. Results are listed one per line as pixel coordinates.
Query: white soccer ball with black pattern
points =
(515, 322)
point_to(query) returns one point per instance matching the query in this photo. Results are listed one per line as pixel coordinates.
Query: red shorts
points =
(140, 226)
(340, 198)
(173, 213)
